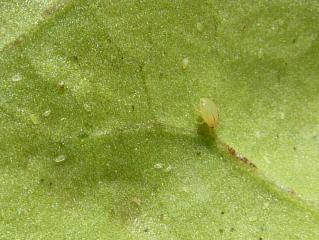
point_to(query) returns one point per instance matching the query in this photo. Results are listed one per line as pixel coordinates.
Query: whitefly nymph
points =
(209, 112)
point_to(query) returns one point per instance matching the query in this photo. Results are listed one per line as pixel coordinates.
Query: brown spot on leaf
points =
(242, 159)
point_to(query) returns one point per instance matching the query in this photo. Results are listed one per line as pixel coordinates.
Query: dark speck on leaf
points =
(75, 59)
(222, 212)
(162, 216)
(61, 86)
(146, 230)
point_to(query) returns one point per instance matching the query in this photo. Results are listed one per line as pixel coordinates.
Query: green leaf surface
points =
(100, 136)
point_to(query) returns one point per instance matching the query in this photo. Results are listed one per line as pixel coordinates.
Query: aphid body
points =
(209, 112)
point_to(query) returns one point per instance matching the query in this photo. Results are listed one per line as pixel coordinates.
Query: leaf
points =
(99, 132)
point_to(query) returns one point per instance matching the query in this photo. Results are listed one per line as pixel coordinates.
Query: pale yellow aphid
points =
(209, 112)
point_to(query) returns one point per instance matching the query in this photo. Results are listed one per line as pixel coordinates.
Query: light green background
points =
(138, 165)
